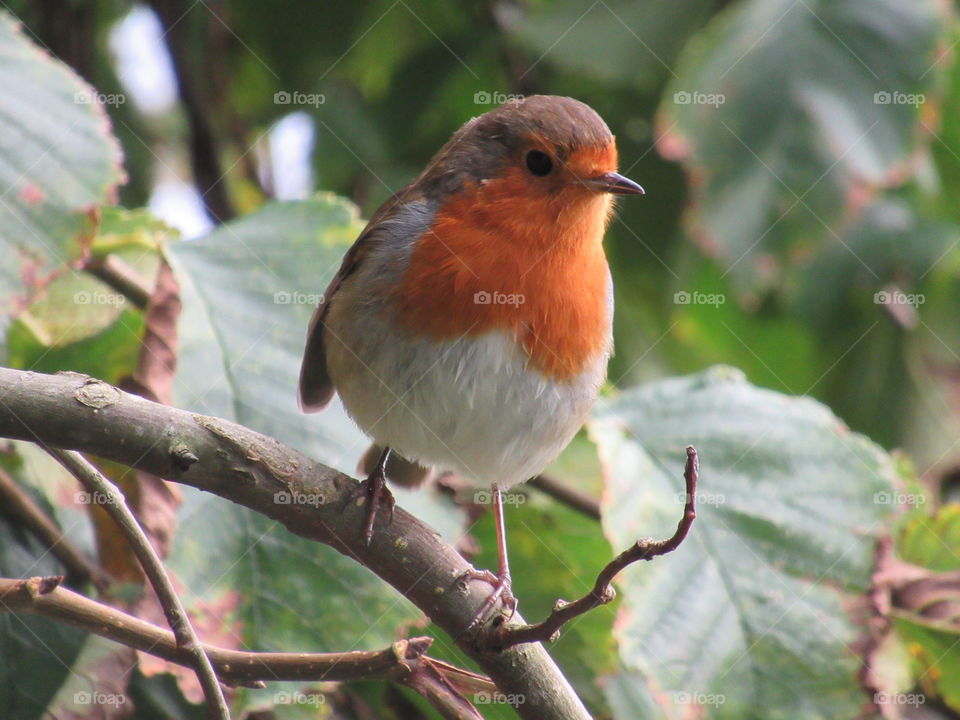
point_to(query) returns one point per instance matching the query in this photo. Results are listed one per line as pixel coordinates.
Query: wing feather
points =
(316, 388)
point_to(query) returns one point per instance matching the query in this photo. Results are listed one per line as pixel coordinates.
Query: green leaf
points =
(751, 607)
(36, 653)
(110, 353)
(937, 647)
(290, 594)
(618, 42)
(889, 243)
(789, 113)
(932, 542)
(946, 140)
(249, 289)
(80, 323)
(58, 161)
(133, 235)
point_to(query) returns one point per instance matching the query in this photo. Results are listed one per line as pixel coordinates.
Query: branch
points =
(80, 567)
(44, 597)
(569, 496)
(602, 593)
(115, 505)
(74, 411)
(120, 276)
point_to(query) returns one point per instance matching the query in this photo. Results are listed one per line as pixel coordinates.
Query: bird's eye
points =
(539, 163)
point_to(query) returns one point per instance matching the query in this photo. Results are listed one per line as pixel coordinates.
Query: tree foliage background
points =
(802, 166)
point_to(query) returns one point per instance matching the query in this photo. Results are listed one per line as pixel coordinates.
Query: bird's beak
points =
(615, 183)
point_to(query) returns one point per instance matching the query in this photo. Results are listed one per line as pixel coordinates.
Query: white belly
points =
(471, 406)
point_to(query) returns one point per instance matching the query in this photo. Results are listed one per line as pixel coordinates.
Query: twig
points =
(80, 567)
(74, 411)
(570, 497)
(173, 608)
(428, 681)
(42, 596)
(121, 277)
(602, 593)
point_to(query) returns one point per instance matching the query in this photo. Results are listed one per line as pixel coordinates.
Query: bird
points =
(469, 326)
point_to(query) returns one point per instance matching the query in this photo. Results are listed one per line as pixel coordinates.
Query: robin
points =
(469, 326)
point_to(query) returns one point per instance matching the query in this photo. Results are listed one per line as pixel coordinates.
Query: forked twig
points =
(44, 596)
(116, 506)
(602, 593)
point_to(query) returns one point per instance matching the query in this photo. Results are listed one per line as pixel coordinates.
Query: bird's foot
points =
(376, 492)
(502, 591)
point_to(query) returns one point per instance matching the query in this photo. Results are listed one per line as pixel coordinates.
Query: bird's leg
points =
(375, 489)
(501, 582)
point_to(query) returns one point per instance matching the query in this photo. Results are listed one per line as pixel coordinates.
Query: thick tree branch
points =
(405, 661)
(116, 506)
(603, 592)
(77, 412)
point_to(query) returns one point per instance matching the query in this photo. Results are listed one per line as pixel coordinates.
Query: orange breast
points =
(497, 258)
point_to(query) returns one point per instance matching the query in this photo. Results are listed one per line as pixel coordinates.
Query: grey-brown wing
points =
(403, 218)
(316, 387)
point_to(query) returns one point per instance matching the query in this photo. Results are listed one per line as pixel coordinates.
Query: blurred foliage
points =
(753, 611)
(41, 217)
(802, 164)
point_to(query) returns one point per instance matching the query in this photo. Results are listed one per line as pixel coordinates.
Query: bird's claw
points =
(376, 492)
(502, 591)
